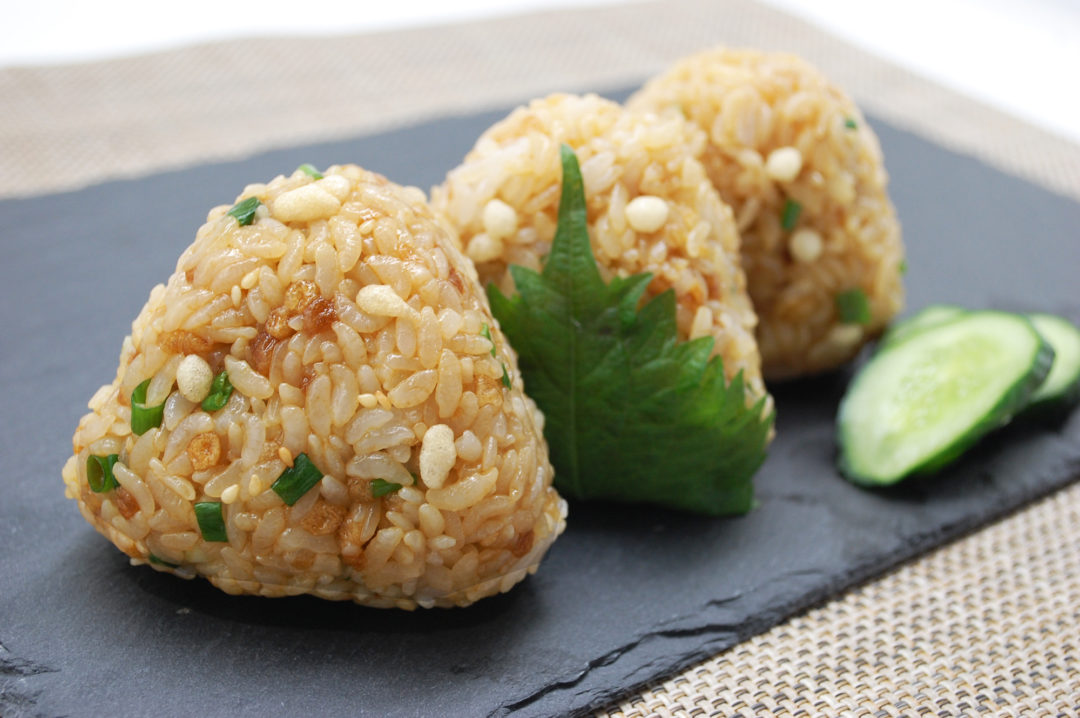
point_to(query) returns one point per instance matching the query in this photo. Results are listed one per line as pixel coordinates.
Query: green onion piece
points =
(297, 480)
(163, 562)
(505, 376)
(244, 211)
(790, 215)
(220, 391)
(211, 520)
(310, 171)
(143, 417)
(381, 487)
(99, 473)
(853, 307)
(850, 123)
(903, 267)
(485, 331)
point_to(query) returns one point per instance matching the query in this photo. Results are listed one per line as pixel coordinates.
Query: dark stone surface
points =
(627, 595)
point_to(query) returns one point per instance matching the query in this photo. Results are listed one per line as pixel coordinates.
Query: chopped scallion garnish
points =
(99, 473)
(853, 307)
(310, 171)
(220, 391)
(903, 267)
(381, 487)
(790, 215)
(485, 331)
(143, 417)
(505, 376)
(211, 520)
(850, 123)
(163, 562)
(244, 211)
(297, 480)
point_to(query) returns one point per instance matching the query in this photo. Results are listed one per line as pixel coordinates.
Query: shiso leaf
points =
(632, 413)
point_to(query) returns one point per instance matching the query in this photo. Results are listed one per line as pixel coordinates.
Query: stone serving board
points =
(627, 595)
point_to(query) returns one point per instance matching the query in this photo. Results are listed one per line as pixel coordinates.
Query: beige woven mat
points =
(63, 127)
(989, 625)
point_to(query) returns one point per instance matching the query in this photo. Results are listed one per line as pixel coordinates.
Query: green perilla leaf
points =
(631, 413)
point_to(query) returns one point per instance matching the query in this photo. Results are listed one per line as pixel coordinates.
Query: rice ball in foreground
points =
(372, 447)
(650, 209)
(803, 172)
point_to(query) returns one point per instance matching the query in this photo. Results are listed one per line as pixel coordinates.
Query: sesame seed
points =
(255, 485)
(285, 455)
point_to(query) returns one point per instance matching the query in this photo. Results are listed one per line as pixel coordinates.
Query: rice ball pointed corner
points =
(803, 171)
(650, 209)
(317, 403)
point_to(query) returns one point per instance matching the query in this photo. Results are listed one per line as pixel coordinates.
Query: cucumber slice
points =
(928, 317)
(1061, 388)
(917, 405)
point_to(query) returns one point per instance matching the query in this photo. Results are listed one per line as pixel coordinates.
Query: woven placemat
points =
(987, 625)
(65, 127)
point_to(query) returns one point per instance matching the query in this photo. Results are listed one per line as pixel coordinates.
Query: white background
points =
(1022, 56)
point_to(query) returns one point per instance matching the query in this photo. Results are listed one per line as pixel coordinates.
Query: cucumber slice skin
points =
(1061, 389)
(1013, 398)
(925, 318)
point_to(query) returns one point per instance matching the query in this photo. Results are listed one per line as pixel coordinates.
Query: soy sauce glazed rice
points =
(650, 209)
(359, 346)
(803, 171)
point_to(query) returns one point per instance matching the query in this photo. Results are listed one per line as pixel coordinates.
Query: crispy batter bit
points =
(488, 390)
(277, 324)
(319, 314)
(323, 519)
(262, 351)
(456, 280)
(125, 502)
(204, 450)
(299, 295)
(360, 490)
(184, 342)
(304, 559)
(522, 544)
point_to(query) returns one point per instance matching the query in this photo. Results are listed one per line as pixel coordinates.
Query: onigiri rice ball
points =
(803, 171)
(650, 209)
(311, 405)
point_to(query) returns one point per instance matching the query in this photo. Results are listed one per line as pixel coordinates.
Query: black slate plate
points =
(625, 596)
